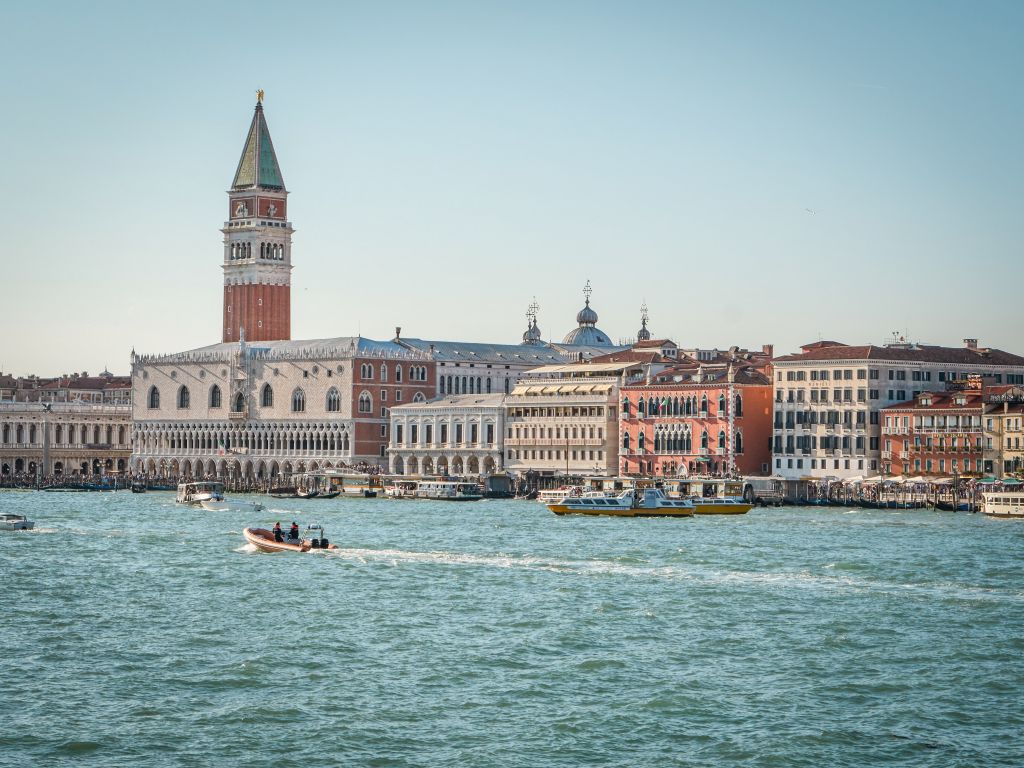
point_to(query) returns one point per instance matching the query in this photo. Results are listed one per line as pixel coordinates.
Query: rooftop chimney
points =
(971, 343)
(398, 332)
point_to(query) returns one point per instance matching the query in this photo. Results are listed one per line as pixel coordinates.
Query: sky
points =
(754, 172)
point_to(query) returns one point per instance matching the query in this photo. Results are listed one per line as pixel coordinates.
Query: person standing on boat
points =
(294, 532)
(277, 531)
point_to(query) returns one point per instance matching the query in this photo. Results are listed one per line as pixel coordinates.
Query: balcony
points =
(236, 415)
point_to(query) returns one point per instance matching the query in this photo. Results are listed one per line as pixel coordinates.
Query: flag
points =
(221, 450)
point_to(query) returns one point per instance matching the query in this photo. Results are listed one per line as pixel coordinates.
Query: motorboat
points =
(194, 494)
(1007, 505)
(138, 486)
(210, 496)
(264, 540)
(448, 490)
(401, 489)
(557, 494)
(648, 502)
(9, 522)
(720, 506)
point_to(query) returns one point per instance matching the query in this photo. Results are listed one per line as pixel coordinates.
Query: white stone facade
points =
(563, 426)
(828, 399)
(458, 435)
(264, 409)
(64, 438)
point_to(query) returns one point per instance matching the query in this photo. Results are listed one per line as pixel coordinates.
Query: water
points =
(497, 634)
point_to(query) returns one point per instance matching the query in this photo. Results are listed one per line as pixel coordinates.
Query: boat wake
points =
(246, 549)
(631, 568)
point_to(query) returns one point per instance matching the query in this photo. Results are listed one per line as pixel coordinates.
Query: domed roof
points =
(532, 335)
(643, 334)
(586, 316)
(588, 333)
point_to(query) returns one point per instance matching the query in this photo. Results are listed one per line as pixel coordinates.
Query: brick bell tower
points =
(257, 243)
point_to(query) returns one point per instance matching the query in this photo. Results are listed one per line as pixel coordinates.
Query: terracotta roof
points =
(714, 375)
(821, 345)
(915, 353)
(632, 356)
(89, 382)
(941, 401)
(659, 343)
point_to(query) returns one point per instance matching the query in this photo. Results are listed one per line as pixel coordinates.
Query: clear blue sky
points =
(450, 161)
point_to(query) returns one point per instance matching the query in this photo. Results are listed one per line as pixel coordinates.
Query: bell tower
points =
(257, 243)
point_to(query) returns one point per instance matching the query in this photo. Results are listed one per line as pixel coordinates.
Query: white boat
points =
(358, 484)
(557, 494)
(649, 502)
(448, 490)
(210, 496)
(9, 522)
(1004, 504)
(401, 489)
(720, 506)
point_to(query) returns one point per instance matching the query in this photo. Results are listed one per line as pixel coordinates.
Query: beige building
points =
(457, 435)
(563, 419)
(1003, 421)
(66, 426)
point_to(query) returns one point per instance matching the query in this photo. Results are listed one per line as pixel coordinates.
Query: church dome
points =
(586, 316)
(532, 335)
(587, 334)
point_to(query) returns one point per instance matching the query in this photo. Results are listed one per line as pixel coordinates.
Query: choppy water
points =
(497, 634)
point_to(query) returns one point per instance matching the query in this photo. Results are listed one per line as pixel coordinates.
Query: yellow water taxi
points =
(649, 502)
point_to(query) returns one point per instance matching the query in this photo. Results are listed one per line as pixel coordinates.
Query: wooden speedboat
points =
(263, 540)
(9, 522)
(650, 502)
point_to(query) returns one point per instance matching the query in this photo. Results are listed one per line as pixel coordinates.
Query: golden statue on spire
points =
(259, 96)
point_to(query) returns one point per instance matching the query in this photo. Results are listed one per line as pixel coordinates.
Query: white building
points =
(274, 407)
(828, 397)
(456, 435)
(563, 419)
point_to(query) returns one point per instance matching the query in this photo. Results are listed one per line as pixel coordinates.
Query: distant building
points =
(1003, 421)
(65, 426)
(271, 408)
(563, 419)
(829, 396)
(697, 419)
(454, 435)
(937, 434)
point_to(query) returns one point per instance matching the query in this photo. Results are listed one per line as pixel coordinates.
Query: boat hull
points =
(18, 525)
(263, 540)
(609, 511)
(722, 509)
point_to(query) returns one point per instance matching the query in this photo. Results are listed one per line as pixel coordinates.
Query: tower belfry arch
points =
(257, 242)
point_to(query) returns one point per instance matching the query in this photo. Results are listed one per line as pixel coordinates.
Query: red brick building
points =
(697, 419)
(937, 434)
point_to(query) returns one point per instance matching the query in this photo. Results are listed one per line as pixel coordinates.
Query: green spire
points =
(258, 166)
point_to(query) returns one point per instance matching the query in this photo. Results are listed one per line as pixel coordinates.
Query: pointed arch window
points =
(721, 403)
(703, 405)
(640, 442)
(738, 407)
(215, 396)
(398, 374)
(625, 407)
(419, 398)
(625, 441)
(267, 396)
(154, 397)
(739, 442)
(298, 401)
(721, 440)
(333, 400)
(239, 403)
(704, 439)
(365, 403)
(641, 408)
(383, 372)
